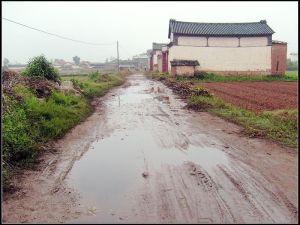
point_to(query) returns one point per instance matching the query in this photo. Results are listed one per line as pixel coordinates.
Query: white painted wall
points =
(253, 41)
(172, 37)
(224, 58)
(192, 41)
(223, 42)
(165, 48)
(157, 53)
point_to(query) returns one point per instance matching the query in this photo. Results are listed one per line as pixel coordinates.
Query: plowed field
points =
(257, 96)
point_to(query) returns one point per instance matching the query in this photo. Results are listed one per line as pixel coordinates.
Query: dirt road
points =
(142, 158)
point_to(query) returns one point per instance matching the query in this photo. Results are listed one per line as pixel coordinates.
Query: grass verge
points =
(278, 125)
(210, 77)
(30, 121)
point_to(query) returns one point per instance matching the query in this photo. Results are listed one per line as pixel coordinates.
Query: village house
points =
(157, 56)
(224, 48)
(140, 61)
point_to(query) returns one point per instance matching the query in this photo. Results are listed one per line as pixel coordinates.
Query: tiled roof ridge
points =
(213, 23)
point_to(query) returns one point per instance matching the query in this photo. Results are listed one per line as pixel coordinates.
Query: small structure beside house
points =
(224, 48)
(279, 52)
(183, 67)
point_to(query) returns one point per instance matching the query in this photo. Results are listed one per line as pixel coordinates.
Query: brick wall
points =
(183, 71)
(278, 58)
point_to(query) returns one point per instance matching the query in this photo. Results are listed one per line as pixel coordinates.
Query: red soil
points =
(257, 96)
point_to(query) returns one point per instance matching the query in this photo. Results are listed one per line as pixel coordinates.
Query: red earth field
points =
(257, 96)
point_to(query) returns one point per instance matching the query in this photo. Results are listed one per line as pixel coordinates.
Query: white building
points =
(226, 48)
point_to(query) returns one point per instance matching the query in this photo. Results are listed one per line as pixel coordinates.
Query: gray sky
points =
(135, 24)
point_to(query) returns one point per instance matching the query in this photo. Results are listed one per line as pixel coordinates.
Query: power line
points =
(56, 35)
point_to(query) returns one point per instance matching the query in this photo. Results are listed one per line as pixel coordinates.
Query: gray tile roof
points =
(179, 62)
(220, 29)
(158, 46)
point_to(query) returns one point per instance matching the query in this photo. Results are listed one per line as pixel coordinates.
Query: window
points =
(277, 65)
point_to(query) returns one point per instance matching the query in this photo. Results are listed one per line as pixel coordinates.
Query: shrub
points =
(40, 67)
(201, 91)
(200, 74)
(94, 75)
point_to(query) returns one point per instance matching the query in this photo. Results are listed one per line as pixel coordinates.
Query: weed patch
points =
(30, 119)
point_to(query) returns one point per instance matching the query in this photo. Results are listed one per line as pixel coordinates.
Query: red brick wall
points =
(278, 59)
(164, 62)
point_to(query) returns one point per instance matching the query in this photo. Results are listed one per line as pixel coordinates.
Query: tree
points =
(76, 60)
(290, 65)
(40, 67)
(5, 63)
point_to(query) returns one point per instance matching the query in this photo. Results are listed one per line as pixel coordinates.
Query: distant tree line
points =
(291, 65)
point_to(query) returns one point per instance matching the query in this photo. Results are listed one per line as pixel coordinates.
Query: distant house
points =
(227, 48)
(140, 61)
(127, 67)
(67, 65)
(97, 65)
(17, 67)
(59, 62)
(84, 64)
(156, 56)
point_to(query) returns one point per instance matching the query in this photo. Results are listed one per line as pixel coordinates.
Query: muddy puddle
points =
(111, 171)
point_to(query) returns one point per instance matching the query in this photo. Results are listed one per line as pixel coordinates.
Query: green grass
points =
(80, 77)
(157, 75)
(210, 77)
(291, 75)
(29, 122)
(93, 86)
(278, 125)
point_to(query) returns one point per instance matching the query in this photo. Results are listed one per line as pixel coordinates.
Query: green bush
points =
(94, 75)
(32, 121)
(29, 122)
(40, 67)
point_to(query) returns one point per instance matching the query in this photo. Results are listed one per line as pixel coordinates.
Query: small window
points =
(277, 65)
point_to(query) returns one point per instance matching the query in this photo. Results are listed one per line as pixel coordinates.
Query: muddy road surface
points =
(143, 158)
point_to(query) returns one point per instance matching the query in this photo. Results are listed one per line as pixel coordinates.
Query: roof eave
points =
(223, 35)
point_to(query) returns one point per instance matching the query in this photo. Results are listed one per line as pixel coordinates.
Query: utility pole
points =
(118, 56)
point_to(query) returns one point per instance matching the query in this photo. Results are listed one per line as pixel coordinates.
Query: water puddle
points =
(113, 166)
(109, 172)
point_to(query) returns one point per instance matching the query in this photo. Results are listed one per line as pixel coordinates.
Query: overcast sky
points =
(135, 24)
